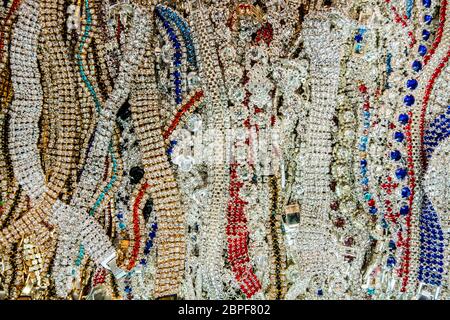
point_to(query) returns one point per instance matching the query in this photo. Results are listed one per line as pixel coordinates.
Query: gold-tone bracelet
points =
(160, 182)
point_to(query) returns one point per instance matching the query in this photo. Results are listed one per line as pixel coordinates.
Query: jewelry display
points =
(223, 149)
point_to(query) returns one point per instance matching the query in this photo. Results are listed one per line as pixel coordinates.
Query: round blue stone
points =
(426, 3)
(409, 100)
(425, 34)
(404, 210)
(403, 118)
(422, 50)
(406, 192)
(399, 136)
(400, 173)
(412, 84)
(417, 66)
(396, 155)
(427, 19)
(363, 163)
(373, 210)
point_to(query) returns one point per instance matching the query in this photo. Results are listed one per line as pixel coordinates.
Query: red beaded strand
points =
(136, 228)
(185, 108)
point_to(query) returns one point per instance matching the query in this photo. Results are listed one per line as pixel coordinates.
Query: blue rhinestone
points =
(178, 100)
(177, 74)
(172, 143)
(127, 289)
(422, 50)
(143, 262)
(365, 181)
(426, 3)
(409, 100)
(119, 216)
(404, 210)
(178, 55)
(363, 163)
(358, 37)
(392, 245)
(154, 226)
(396, 155)
(398, 136)
(417, 66)
(400, 173)
(373, 210)
(412, 84)
(406, 192)
(426, 35)
(427, 19)
(403, 118)
(152, 234)
(320, 292)
(391, 261)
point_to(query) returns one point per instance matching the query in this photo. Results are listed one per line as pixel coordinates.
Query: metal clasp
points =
(428, 292)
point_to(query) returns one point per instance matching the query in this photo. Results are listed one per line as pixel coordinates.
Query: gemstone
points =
(412, 84)
(409, 100)
(403, 118)
(417, 66)
(396, 155)
(427, 19)
(404, 210)
(398, 136)
(148, 208)
(426, 3)
(124, 111)
(400, 173)
(406, 192)
(391, 261)
(358, 37)
(426, 35)
(392, 245)
(422, 50)
(136, 174)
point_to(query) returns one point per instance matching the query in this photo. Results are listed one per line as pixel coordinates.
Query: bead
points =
(412, 84)
(400, 173)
